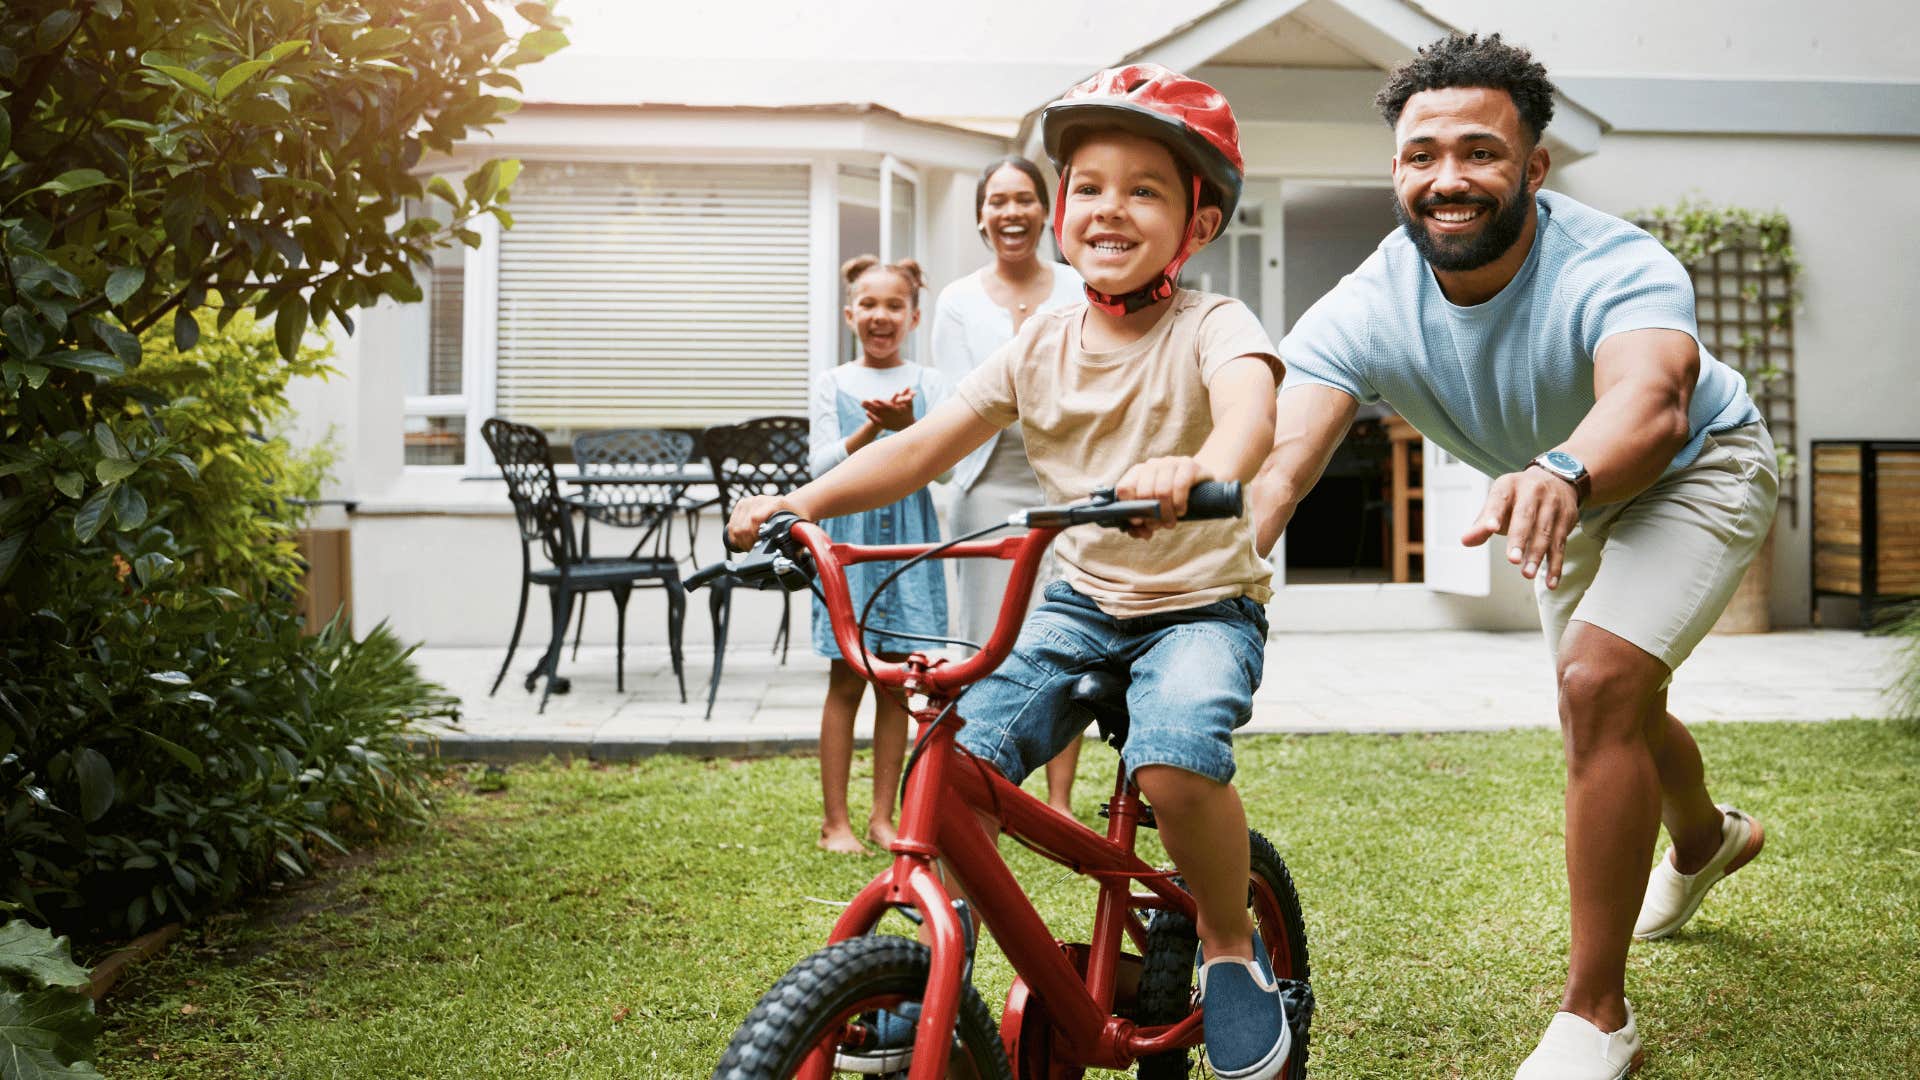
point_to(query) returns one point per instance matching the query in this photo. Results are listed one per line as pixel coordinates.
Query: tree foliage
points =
(187, 189)
(168, 162)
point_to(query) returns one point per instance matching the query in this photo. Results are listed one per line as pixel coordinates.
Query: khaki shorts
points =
(1659, 568)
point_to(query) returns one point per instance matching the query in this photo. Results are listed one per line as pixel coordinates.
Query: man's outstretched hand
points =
(1536, 510)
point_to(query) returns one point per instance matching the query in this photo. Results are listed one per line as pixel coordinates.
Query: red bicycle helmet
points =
(1190, 118)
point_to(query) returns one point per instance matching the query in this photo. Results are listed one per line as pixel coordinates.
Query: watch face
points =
(1564, 462)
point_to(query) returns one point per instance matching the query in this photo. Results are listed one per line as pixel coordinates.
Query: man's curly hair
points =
(1469, 60)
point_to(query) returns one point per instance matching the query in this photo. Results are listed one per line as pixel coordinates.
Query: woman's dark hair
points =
(1017, 162)
(1469, 60)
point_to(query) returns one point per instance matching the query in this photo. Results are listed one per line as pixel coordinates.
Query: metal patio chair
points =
(630, 454)
(763, 456)
(545, 516)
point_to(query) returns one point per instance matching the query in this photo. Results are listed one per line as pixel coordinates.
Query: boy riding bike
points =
(1168, 387)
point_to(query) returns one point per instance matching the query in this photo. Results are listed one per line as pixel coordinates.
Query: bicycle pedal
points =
(1147, 820)
(1297, 996)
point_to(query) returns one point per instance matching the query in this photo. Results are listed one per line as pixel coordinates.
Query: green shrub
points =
(47, 1023)
(222, 405)
(169, 735)
(194, 750)
(1904, 694)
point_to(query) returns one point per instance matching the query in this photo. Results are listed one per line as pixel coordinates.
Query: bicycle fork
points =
(913, 883)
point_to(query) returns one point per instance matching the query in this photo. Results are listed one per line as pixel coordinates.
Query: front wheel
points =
(822, 1012)
(1166, 976)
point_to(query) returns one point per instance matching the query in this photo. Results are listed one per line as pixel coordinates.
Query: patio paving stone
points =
(1324, 682)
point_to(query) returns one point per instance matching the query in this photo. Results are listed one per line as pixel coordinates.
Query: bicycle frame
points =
(945, 790)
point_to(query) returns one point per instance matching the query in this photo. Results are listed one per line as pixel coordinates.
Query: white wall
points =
(1843, 39)
(454, 578)
(1855, 224)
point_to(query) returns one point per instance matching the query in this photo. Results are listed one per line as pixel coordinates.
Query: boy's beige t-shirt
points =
(1089, 417)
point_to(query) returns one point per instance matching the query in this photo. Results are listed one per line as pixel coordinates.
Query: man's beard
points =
(1473, 251)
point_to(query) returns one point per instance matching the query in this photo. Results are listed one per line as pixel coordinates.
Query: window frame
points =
(475, 401)
(481, 292)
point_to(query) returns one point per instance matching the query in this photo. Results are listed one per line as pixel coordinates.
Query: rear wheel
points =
(823, 1008)
(1166, 977)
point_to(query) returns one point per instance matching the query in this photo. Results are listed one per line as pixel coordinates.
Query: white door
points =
(1237, 263)
(1454, 492)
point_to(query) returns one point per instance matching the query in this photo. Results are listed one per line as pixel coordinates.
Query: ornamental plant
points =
(47, 1023)
(169, 162)
(1697, 233)
(188, 189)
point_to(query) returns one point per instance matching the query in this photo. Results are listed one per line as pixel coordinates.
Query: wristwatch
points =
(1568, 468)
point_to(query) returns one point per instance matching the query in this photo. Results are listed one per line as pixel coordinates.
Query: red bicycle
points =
(1073, 1005)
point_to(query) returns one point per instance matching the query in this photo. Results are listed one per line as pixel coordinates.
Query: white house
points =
(693, 178)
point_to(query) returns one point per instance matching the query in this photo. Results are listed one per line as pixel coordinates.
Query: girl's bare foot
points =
(1063, 811)
(840, 840)
(881, 833)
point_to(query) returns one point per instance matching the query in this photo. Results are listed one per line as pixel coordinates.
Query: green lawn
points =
(618, 922)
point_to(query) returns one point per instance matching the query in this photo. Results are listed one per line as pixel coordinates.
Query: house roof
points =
(1303, 43)
(828, 108)
(858, 127)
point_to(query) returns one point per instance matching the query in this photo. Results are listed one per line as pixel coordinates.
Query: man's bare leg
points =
(1693, 821)
(1610, 712)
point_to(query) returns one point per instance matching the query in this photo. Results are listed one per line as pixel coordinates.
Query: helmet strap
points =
(1154, 291)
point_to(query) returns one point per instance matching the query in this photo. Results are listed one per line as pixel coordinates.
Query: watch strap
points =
(1582, 483)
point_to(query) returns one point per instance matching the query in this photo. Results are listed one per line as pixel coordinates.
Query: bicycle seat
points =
(1104, 694)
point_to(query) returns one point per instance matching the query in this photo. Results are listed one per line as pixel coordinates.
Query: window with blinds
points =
(436, 404)
(653, 295)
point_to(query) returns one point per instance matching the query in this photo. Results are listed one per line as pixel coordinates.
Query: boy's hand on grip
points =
(743, 528)
(1165, 480)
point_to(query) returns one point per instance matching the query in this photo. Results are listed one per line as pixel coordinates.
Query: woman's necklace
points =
(1022, 306)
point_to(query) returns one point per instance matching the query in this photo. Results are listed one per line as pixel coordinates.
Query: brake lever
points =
(776, 561)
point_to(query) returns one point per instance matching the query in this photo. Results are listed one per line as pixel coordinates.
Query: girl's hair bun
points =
(909, 270)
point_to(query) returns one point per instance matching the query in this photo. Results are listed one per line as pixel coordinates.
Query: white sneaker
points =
(1673, 897)
(1574, 1049)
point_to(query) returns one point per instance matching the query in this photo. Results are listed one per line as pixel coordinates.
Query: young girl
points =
(853, 405)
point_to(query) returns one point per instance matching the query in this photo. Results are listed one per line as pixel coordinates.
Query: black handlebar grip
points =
(699, 578)
(1214, 499)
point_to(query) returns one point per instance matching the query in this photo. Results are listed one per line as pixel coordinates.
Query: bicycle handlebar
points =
(775, 562)
(790, 553)
(1206, 500)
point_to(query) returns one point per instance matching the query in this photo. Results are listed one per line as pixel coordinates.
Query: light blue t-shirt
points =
(1502, 381)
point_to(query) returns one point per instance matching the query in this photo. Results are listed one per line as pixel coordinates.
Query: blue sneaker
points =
(1246, 1021)
(887, 1046)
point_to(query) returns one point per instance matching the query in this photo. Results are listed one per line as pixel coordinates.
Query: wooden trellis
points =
(1743, 284)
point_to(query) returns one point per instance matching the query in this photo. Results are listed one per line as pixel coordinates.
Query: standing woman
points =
(976, 315)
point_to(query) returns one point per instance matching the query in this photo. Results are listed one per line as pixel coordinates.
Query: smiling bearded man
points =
(1554, 348)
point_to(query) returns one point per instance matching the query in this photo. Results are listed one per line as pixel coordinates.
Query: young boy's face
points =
(1125, 211)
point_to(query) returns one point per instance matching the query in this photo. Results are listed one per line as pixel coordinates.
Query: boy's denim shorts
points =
(1193, 677)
